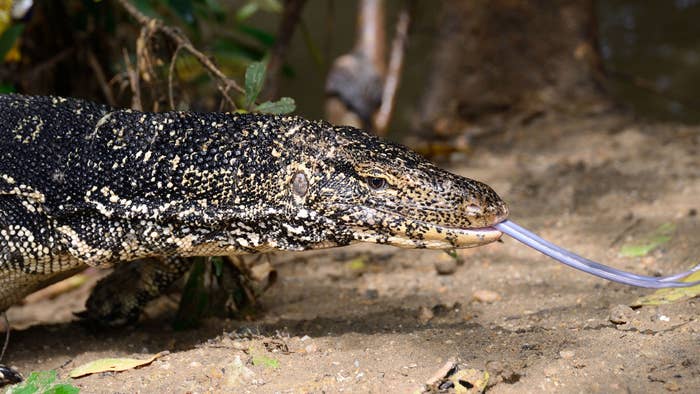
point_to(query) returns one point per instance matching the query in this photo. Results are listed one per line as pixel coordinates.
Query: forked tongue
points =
(581, 263)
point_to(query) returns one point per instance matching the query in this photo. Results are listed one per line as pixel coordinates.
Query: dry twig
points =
(224, 83)
(171, 71)
(101, 78)
(133, 82)
(393, 75)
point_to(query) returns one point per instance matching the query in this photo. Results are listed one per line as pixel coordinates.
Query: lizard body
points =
(83, 184)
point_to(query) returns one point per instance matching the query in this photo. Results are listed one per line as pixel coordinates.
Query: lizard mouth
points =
(397, 230)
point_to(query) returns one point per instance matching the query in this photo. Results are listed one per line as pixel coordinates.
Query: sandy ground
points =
(590, 184)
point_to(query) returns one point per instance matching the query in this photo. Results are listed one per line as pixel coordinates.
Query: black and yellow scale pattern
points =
(83, 184)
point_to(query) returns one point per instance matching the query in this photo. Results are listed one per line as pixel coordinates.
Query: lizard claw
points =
(9, 376)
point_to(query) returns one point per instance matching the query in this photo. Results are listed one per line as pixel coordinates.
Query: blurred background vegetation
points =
(649, 54)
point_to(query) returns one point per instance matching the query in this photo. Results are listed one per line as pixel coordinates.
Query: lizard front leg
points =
(119, 298)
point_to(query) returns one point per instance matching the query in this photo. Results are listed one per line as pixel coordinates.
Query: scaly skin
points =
(86, 185)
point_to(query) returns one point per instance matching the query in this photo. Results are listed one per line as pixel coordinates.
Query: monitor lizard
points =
(84, 184)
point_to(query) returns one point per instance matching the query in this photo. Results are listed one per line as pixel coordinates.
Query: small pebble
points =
(425, 315)
(672, 386)
(312, 348)
(567, 354)
(550, 370)
(446, 265)
(487, 296)
(236, 373)
(621, 314)
(372, 294)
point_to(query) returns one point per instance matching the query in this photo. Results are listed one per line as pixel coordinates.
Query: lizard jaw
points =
(423, 234)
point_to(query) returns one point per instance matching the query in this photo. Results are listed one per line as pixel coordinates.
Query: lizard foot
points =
(119, 298)
(9, 376)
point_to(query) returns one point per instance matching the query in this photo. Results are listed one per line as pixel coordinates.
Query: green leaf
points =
(4, 88)
(195, 298)
(43, 382)
(9, 37)
(358, 265)
(267, 362)
(246, 11)
(253, 6)
(274, 6)
(254, 79)
(660, 236)
(63, 388)
(282, 106)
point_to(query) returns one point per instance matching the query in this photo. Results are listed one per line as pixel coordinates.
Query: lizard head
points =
(371, 190)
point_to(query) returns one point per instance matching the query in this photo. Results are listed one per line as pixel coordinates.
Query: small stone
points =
(567, 354)
(236, 373)
(550, 371)
(311, 348)
(215, 373)
(446, 265)
(621, 314)
(672, 386)
(487, 296)
(494, 366)
(305, 338)
(195, 364)
(425, 315)
(372, 294)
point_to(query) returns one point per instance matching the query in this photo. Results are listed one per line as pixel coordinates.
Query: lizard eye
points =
(300, 185)
(376, 183)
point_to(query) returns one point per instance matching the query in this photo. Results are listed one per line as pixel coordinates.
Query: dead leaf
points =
(113, 365)
(671, 295)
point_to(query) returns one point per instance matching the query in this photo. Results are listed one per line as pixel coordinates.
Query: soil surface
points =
(372, 318)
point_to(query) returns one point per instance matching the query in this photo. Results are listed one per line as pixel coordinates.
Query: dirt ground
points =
(592, 184)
